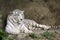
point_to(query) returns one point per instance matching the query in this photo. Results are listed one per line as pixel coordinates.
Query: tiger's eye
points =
(16, 12)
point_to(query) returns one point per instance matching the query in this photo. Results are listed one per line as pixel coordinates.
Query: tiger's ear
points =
(23, 11)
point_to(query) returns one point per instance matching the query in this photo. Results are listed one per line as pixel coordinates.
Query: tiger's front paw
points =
(29, 31)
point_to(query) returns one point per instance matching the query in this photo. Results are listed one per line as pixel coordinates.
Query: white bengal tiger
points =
(16, 23)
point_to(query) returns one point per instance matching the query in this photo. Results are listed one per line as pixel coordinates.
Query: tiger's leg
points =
(24, 29)
(45, 26)
(41, 26)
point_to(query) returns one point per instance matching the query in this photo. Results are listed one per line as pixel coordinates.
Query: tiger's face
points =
(18, 13)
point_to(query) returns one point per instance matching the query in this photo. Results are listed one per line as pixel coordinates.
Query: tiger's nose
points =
(21, 19)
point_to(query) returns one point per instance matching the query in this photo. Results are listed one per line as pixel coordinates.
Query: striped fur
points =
(11, 26)
(13, 22)
(32, 24)
(17, 23)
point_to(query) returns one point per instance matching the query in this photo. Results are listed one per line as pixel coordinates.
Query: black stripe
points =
(11, 20)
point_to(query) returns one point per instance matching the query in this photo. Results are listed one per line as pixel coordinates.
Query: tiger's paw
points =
(29, 31)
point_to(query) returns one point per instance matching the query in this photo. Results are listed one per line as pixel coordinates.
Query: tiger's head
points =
(18, 13)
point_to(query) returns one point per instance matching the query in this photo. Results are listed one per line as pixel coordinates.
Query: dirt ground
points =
(39, 32)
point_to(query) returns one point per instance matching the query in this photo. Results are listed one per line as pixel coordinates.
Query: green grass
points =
(0, 15)
(33, 35)
(3, 35)
(48, 35)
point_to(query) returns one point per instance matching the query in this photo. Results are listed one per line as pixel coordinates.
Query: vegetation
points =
(33, 35)
(0, 17)
(0, 20)
(48, 35)
(3, 35)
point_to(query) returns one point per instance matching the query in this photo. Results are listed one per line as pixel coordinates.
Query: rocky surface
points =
(38, 31)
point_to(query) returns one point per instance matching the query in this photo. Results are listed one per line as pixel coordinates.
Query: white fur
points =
(20, 25)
